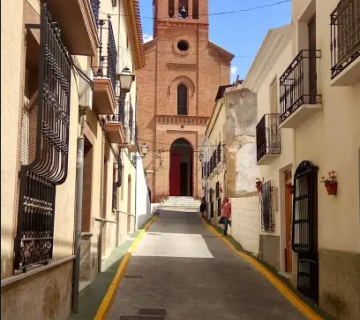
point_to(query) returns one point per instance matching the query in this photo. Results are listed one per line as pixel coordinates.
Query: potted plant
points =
(290, 188)
(258, 184)
(330, 183)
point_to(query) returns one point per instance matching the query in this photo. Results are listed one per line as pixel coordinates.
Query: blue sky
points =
(240, 33)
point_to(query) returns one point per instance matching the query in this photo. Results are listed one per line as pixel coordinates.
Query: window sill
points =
(34, 271)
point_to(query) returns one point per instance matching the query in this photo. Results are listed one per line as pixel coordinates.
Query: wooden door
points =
(175, 179)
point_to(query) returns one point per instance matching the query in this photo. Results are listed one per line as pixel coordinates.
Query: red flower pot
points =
(331, 188)
(258, 187)
(291, 188)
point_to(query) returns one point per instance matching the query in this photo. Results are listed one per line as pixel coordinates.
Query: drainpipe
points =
(78, 214)
(101, 194)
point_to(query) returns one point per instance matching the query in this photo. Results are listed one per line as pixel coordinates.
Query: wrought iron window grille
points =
(114, 197)
(107, 62)
(268, 139)
(295, 85)
(345, 35)
(267, 224)
(34, 238)
(305, 229)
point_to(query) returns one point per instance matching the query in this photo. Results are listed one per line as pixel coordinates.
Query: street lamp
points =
(201, 156)
(144, 149)
(126, 79)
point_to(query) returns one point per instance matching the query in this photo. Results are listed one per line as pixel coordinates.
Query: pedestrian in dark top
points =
(203, 206)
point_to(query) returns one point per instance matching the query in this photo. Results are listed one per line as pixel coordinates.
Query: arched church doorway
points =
(181, 168)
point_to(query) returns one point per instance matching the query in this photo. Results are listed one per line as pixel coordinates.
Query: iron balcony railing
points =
(219, 153)
(345, 35)
(95, 8)
(268, 140)
(298, 84)
(107, 62)
(113, 118)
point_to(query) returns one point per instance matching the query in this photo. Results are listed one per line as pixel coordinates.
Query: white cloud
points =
(234, 70)
(147, 37)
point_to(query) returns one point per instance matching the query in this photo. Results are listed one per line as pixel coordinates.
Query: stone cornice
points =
(182, 24)
(182, 120)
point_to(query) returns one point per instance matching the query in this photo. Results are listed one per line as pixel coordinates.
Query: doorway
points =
(288, 221)
(181, 168)
(305, 229)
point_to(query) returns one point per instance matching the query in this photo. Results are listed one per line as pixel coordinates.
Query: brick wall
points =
(202, 69)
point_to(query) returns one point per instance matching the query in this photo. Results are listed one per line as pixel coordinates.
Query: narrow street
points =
(181, 267)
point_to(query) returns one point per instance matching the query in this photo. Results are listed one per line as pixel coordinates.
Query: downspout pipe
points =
(101, 195)
(78, 213)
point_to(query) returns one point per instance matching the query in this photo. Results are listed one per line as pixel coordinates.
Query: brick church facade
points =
(176, 93)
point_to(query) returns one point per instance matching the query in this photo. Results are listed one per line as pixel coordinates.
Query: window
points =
(266, 209)
(195, 9)
(171, 8)
(183, 5)
(182, 100)
(183, 45)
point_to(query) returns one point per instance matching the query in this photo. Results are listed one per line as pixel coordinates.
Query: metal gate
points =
(304, 229)
(35, 225)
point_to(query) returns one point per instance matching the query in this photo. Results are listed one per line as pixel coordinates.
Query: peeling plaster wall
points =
(241, 116)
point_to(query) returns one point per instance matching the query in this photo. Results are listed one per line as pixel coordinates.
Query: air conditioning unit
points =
(86, 92)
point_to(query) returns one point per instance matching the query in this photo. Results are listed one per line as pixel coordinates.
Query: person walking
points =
(225, 215)
(203, 206)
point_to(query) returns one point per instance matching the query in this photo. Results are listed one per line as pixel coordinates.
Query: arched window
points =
(196, 9)
(182, 100)
(171, 8)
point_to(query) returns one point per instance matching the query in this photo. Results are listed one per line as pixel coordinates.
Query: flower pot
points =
(291, 188)
(258, 187)
(331, 188)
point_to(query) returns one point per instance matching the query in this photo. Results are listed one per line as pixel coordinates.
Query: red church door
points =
(175, 168)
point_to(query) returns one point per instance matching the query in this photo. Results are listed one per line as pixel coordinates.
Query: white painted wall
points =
(245, 227)
(143, 205)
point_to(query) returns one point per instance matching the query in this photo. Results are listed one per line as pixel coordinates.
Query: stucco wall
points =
(331, 140)
(44, 296)
(245, 227)
(11, 98)
(143, 206)
(241, 115)
(274, 172)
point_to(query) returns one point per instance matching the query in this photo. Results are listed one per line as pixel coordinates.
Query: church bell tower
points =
(192, 11)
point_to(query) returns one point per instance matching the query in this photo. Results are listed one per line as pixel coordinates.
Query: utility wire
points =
(210, 14)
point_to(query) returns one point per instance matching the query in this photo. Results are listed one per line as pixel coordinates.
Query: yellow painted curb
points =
(108, 300)
(276, 282)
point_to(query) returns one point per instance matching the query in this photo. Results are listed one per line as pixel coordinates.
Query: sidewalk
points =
(181, 270)
(91, 299)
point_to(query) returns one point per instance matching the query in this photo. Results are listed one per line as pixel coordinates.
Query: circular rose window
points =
(183, 45)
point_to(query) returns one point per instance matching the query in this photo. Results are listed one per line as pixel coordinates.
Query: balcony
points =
(345, 43)
(105, 70)
(268, 140)
(299, 99)
(78, 22)
(130, 141)
(114, 128)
